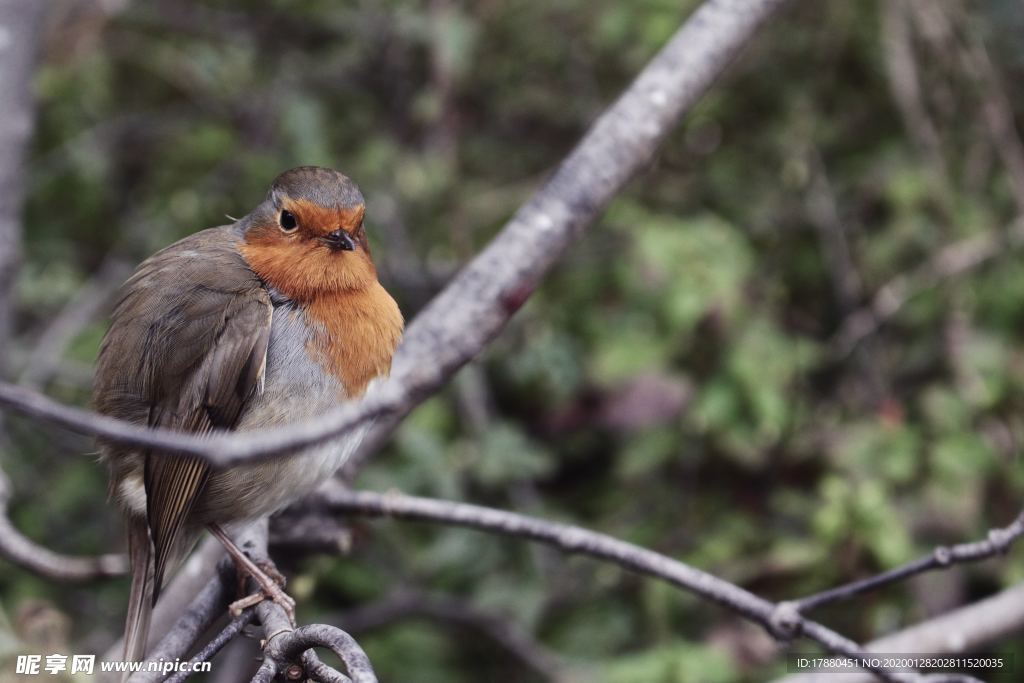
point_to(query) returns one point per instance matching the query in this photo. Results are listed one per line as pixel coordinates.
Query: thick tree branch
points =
(474, 308)
(309, 534)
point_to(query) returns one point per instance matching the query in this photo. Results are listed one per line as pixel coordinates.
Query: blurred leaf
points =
(676, 663)
(505, 455)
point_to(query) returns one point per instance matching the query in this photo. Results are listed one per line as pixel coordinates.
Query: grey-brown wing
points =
(186, 350)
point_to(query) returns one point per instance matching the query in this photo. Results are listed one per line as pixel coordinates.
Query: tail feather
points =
(140, 601)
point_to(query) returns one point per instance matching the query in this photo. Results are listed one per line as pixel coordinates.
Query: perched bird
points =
(273, 319)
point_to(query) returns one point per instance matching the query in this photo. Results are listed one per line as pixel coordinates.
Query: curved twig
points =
(282, 654)
(287, 649)
(315, 670)
(20, 550)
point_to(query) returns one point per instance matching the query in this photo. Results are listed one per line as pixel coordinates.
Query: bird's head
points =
(307, 238)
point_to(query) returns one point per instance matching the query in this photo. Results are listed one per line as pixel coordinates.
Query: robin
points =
(275, 318)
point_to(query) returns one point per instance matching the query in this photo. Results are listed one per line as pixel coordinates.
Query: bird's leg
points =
(271, 582)
(270, 570)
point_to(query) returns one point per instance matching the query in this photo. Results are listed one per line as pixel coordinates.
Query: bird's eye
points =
(288, 221)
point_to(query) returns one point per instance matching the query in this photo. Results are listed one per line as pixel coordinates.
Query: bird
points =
(275, 318)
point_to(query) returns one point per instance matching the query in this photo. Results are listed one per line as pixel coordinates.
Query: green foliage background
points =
(677, 382)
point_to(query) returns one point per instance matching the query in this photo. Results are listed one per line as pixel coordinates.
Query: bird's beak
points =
(339, 240)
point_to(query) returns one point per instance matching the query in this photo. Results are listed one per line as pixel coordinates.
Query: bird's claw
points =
(271, 571)
(271, 583)
(236, 608)
(272, 592)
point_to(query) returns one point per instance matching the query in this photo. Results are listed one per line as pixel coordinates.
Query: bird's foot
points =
(270, 569)
(264, 573)
(271, 584)
(244, 571)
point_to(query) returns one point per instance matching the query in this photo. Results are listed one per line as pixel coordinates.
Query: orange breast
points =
(361, 330)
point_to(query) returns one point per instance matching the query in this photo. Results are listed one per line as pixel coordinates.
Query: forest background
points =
(791, 353)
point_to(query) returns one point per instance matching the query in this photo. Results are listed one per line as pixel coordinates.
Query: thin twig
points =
(25, 553)
(781, 620)
(996, 108)
(204, 610)
(966, 629)
(997, 543)
(48, 349)
(833, 233)
(233, 628)
(949, 262)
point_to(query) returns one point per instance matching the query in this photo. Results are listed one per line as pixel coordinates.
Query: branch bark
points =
(287, 647)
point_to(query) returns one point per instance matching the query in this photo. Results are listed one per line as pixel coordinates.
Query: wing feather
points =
(198, 319)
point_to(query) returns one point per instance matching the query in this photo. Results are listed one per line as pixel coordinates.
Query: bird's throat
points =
(358, 333)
